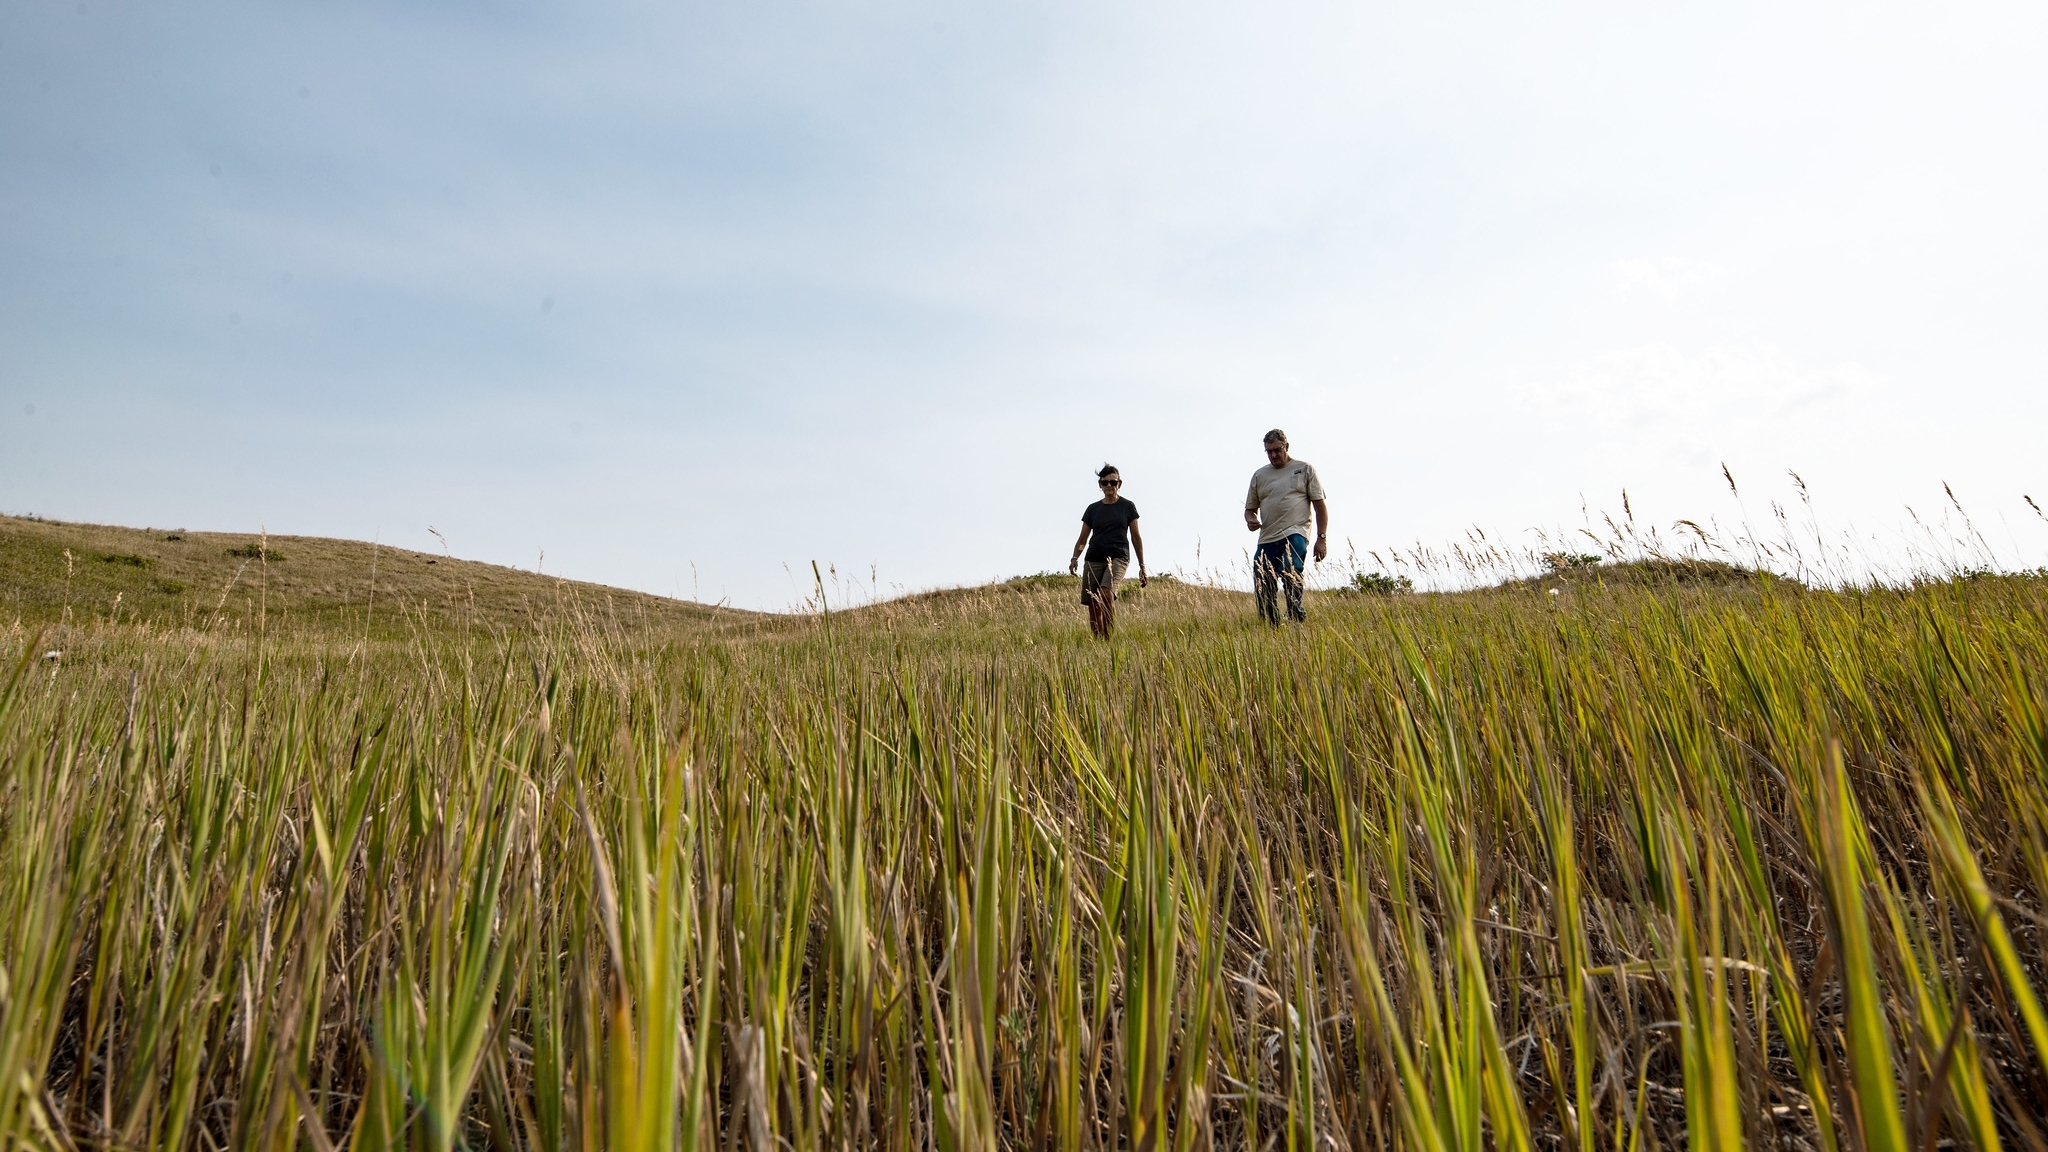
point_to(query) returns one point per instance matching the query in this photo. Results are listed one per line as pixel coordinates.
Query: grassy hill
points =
(54, 573)
(1050, 600)
(1661, 860)
(1568, 571)
(61, 574)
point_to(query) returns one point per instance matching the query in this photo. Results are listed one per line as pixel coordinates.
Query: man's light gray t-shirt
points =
(1281, 495)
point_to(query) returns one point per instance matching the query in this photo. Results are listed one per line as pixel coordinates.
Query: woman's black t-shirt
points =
(1112, 525)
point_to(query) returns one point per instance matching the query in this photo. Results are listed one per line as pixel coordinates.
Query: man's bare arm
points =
(1138, 545)
(1322, 528)
(1080, 542)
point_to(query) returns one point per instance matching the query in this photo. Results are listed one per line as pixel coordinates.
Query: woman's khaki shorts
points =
(1102, 575)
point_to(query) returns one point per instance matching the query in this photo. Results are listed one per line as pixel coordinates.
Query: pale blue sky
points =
(741, 286)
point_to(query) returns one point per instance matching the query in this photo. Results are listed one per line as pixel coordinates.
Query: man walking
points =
(1277, 507)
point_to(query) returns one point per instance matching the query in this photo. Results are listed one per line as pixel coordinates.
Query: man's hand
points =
(1141, 573)
(1251, 519)
(1322, 548)
(1074, 566)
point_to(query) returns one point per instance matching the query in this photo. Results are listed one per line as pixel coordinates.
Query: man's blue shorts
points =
(1286, 555)
(1276, 575)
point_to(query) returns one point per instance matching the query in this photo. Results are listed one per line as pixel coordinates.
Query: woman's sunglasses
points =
(1110, 483)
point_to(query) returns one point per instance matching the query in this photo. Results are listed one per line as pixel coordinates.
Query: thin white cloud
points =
(1663, 384)
(1663, 279)
(1655, 404)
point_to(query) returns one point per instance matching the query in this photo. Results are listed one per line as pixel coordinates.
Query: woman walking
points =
(1109, 531)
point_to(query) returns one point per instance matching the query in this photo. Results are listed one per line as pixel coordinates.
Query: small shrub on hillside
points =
(1980, 573)
(1649, 572)
(1559, 563)
(1056, 580)
(253, 552)
(169, 587)
(1655, 572)
(1381, 584)
(1060, 581)
(129, 559)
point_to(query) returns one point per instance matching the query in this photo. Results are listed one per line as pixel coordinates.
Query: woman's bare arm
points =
(1138, 546)
(1080, 542)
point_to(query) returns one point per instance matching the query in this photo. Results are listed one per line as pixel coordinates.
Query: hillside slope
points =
(1047, 599)
(53, 572)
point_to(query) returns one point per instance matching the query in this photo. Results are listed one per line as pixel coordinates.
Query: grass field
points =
(1637, 865)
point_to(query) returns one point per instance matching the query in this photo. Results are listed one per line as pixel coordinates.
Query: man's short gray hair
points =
(1276, 436)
